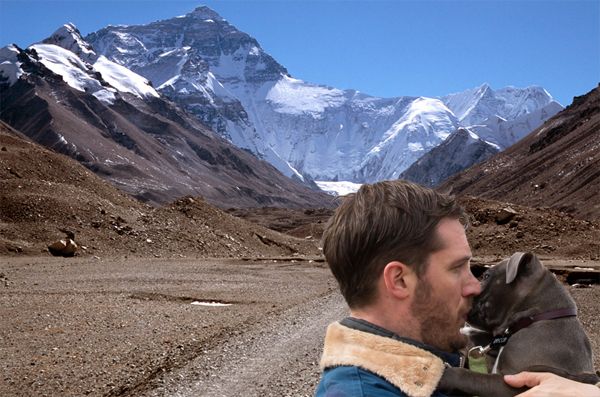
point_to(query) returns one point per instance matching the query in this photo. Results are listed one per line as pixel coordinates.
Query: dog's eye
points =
(485, 276)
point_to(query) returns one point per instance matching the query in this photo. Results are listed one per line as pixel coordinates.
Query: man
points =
(401, 258)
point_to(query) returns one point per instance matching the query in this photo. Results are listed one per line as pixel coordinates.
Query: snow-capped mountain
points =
(69, 38)
(223, 76)
(503, 116)
(556, 165)
(66, 54)
(112, 121)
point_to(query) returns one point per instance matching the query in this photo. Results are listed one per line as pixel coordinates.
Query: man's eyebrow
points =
(462, 260)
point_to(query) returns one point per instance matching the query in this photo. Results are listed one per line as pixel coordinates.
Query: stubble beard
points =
(438, 328)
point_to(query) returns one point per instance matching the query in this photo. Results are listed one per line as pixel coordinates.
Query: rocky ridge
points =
(459, 151)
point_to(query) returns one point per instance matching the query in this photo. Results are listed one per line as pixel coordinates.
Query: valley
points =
(191, 170)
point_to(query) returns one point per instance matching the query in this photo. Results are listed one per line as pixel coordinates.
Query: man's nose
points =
(472, 286)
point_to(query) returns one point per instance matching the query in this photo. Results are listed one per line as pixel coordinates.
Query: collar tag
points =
(499, 341)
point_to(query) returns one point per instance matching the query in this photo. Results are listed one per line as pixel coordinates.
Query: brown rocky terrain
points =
(556, 165)
(44, 195)
(497, 229)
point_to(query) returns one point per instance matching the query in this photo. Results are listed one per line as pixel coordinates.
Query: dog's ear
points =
(512, 267)
(521, 262)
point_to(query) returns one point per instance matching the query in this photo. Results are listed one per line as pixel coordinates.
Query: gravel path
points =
(126, 327)
(277, 356)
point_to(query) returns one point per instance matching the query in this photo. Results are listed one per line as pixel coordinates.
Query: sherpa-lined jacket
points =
(361, 359)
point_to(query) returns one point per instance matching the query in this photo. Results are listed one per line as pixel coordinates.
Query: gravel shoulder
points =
(127, 326)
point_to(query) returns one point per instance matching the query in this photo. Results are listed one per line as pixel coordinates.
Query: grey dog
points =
(533, 324)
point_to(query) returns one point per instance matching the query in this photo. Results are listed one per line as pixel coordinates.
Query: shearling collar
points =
(453, 359)
(414, 371)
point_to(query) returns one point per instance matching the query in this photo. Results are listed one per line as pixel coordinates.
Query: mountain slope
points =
(130, 136)
(43, 194)
(225, 78)
(557, 165)
(461, 150)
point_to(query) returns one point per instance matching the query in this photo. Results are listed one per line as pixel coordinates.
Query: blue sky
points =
(383, 48)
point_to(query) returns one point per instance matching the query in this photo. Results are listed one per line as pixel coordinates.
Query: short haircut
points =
(383, 222)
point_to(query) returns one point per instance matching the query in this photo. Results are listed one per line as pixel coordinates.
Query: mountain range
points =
(144, 95)
(557, 165)
(112, 121)
(306, 130)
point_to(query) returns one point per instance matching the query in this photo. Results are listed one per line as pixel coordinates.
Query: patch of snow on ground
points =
(214, 304)
(338, 188)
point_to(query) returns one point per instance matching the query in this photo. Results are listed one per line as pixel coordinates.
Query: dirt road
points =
(173, 327)
(277, 356)
(125, 327)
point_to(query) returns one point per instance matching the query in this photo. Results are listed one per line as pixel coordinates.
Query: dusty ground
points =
(127, 327)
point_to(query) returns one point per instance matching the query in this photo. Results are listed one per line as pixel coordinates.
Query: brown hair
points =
(383, 222)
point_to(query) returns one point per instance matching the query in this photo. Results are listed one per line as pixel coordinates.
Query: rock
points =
(505, 215)
(70, 234)
(66, 248)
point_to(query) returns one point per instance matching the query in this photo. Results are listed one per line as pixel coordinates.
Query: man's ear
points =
(399, 279)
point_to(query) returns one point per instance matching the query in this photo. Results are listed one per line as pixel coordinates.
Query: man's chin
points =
(459, 342)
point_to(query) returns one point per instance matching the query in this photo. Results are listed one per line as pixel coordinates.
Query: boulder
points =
(505, 215)
(66, 248)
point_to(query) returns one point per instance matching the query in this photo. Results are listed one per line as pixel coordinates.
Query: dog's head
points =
(503, 289)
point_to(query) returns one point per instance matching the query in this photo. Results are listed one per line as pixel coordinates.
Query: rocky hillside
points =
(117, 126)
(44, 196)
(497, 229)
(557, 165)
(459, 151)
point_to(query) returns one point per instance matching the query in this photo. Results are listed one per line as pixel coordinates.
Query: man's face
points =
(444, 292)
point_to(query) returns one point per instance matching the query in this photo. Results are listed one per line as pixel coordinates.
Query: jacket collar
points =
(453, 359)
(412, 369)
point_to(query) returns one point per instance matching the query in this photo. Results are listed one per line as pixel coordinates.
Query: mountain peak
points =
(69, 38)
(203, 12)
(484, 90)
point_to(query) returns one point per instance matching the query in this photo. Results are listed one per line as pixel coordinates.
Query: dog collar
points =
(501, 340)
